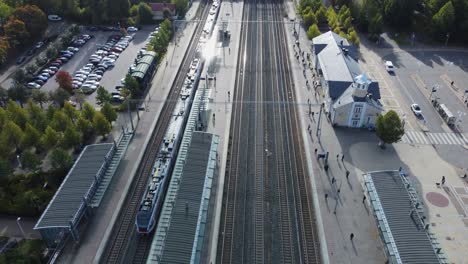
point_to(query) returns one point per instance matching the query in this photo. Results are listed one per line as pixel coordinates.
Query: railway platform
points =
(344, 196)
(93, 240)
(221, 92)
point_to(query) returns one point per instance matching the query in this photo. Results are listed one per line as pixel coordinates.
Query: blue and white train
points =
(153, 198)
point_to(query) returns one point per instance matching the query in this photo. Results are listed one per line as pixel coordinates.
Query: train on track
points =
(155, 192)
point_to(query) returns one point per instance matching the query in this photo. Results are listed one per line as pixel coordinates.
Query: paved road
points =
(417, 70)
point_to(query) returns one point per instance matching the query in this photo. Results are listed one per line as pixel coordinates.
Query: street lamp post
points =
(447, 39)
(20, 227)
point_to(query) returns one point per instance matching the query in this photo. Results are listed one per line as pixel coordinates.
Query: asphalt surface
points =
(111, 77)
(267, 214)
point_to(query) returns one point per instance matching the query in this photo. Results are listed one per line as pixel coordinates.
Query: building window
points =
(355, 123)
(357, 109)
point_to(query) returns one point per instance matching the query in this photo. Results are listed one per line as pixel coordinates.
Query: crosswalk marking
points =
(417, 137)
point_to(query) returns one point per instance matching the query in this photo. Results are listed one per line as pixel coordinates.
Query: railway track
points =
(267, 208)
(124, 229)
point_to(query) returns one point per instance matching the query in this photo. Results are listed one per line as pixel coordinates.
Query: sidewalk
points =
(93, 240)
(9, 227)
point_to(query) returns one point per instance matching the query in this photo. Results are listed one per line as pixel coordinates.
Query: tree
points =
(88, 112)
(134, 10)
(5, 11)
(37, 116)
(181, 7)
(321, 15)
(59, 96)
(3, 97)
(61, 121)
(375, 26)
(3, 117)
(16, 31)
(65, 81)
(40, 97)
(19, 93)
(5, 169)
(109, 113)
(353, 37)
(309, 19)
(34, 19)
(70, 111)
(443, 21)
(19, 76)
(399, 13)
(85, 127)
(102, 95)
(313, 31)
(389, 127)
(344, 14)
(12, 134)
(51, 52)
(80, 99)
(101, 125)
(145, 14)
(29, 160)
(60, 160)
(132, 85)
(4, 46)
(50, 138)
(17, 114)
(332, 18)
(71, 138)
(31, 137)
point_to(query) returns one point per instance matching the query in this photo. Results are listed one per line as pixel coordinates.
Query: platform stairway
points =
(122, 145)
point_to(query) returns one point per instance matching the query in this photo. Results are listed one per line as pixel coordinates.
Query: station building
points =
(351, 97)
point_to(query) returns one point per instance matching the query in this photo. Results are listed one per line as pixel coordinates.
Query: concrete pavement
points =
(9, 227)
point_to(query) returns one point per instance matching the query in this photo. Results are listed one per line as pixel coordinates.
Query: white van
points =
(389, 66)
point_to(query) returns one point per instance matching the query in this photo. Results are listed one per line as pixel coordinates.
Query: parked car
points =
(64, 59)
(46, 74)
(95, 77)
(33, 85)
(99, 71)
(73, 49)
(67, 55)
(39, 45)
(117, 49)
(42, 78)
(53, 68)
(389, 66)
(30, 52)
(54, 17)
(63, 52)
(40, 82)
(416, 109)
(117, 98)
(132, 29)
(20, 60)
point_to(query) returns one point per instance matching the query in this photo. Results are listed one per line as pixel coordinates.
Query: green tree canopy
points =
(389, 127)
(17, 114)
(4, 47)
(88, 112)
(85, 127)
(37, 116)
(321, 15)
(12, 134)
(181, 7)
(29, 160)
(313, 31)
(34, 19)
(443, 20)
(59, 96)
(50, 138)
(60, 159)
(71, 138)
(70, 111)
(309, 19)
(145, 14)
(109, 113)
(132, 85)
(399, 13)
(31, 137)
(16, 31)
(101, 125)
(102, 95)
(40, 97)
(61, 121)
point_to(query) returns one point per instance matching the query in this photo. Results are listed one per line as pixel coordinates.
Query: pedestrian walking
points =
(451, 84)
(308, 100)
(315, 151)
(337, 155)
(338, 191)
(347, 174)
(307, 82)
(364, 199)
(342, 158)
(333, 180)
(443, 180)
(326, 196)
(351, 236)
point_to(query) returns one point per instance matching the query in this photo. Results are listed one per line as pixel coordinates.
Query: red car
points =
(117, 49)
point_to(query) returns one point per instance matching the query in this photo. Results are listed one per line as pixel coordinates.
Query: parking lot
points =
(113, 75)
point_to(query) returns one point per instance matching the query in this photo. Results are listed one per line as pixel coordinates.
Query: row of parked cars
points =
(88, 77)
(53, 67)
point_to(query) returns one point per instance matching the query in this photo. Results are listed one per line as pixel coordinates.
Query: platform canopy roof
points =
(70, 197)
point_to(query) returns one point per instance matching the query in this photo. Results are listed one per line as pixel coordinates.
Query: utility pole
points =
(319, 122)
(20, 227)
(446, 41)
